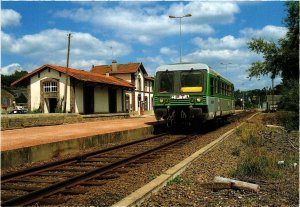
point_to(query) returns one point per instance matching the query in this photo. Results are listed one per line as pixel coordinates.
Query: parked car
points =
(18, 111)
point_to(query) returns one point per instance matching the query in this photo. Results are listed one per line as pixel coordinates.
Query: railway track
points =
(49, 184)
(71, 176)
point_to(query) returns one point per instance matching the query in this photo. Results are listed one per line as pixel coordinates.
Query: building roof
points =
(148, 78)
(121, 68)
(275, 98)
(79, 75)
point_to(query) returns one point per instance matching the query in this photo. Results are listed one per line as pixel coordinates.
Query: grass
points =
(236, 151)
(289, 120)
(260, 158)
(175, 181)
(257, 163)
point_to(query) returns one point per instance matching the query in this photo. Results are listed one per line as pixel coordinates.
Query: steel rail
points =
(33, 170)
(52, 189)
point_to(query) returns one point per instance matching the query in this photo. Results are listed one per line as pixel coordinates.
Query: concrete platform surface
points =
(27, 137)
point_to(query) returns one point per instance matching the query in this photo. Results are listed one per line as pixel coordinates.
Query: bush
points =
(290, 96)
(257, 164)
(289, 120)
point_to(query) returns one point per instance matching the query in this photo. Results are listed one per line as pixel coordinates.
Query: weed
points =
(175, 181)
(236, 151)
(238, 131)
(152, 177)
(258, 163)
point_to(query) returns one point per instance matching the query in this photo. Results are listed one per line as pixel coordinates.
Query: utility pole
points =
(272, 109)
(67, 74)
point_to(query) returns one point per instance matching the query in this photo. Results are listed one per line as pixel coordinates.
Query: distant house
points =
(272, 102)
(140, 99)
(7, 99)
(87, 92)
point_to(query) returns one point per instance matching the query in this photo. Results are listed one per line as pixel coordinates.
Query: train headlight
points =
(198, 99)
(192, 100)
(161, 100)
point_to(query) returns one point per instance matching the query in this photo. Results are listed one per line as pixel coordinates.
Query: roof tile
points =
(80, 75)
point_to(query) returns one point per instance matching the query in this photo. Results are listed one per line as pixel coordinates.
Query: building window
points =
(139, 84)
(50, 87)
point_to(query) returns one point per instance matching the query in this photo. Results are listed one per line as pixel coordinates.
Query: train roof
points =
(188, 66)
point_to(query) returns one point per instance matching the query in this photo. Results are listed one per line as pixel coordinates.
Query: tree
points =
(7, 80)
(281, 58)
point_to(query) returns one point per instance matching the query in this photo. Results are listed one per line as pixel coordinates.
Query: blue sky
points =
(34, 33)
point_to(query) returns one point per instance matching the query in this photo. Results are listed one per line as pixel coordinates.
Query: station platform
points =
(34, 144)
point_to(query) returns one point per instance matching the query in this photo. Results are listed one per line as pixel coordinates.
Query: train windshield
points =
(191, 81)
(166, 82)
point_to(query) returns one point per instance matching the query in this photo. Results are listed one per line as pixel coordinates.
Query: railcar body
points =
(186, 92)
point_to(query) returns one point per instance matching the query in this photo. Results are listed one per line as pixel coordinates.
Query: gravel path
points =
(220, 161)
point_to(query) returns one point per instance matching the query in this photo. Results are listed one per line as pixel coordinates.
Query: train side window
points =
(212, 86)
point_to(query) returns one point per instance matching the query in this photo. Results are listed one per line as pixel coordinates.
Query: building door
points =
(127, 103)
(88, 99)
(146, 103)
(112, 100)
(52, 105)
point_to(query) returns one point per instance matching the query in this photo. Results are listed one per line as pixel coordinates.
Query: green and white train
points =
(188, 92)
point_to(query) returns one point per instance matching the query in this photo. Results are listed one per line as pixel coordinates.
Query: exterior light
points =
(180, 17)
(161, 100)
(198, 99)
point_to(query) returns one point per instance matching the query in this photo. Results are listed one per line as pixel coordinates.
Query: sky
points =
(34, 33)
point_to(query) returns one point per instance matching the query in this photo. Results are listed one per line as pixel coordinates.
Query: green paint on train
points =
(186, 92)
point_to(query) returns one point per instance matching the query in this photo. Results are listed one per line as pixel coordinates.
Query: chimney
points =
(114, 66)
(107, 74)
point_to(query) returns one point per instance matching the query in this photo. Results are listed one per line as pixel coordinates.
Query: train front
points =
(179, 95)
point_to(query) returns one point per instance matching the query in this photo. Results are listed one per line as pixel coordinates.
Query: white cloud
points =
(50, 46)
(268, 32)
(167, 51)
(9, 69)
(10, 18)
(206, 12)
(151, 63)
(147, 23)
(227, 42)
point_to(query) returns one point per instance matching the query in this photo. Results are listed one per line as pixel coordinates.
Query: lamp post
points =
(180, 17)
(226, 64)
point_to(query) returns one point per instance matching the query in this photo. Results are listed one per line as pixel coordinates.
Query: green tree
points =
(281, 58)
(6, 80)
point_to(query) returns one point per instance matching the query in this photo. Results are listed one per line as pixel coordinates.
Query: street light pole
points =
(180, 17)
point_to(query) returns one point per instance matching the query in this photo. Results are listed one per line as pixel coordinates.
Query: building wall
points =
(79, 98)
(119, 100)
(35, 88)
(101, 100)
(6, 99)
(126, 77)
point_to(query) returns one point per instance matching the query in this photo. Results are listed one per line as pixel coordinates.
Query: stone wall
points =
(16, 121)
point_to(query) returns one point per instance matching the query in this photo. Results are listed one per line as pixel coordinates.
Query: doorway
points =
(112, 100)
(88, 102)
(52, 105)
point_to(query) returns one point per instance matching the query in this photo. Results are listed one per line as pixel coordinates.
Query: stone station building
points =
(87, 92)
(140, 100)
